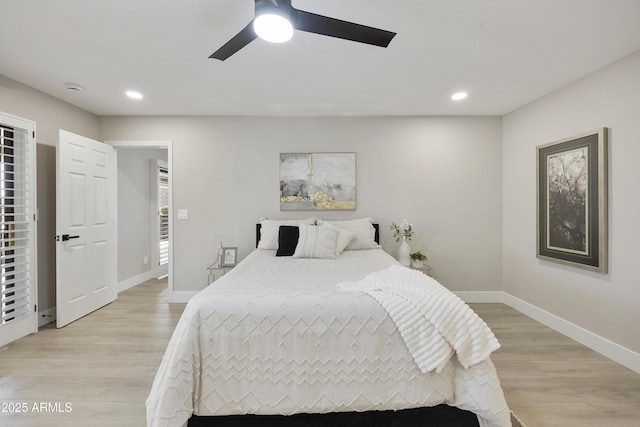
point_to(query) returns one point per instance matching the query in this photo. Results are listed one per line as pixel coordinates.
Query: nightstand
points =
(216, 272)
(425, 269)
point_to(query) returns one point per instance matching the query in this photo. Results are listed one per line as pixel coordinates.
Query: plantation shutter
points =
(17, 230)
(163, 215)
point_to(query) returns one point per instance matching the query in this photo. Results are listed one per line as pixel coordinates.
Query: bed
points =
(316, 340)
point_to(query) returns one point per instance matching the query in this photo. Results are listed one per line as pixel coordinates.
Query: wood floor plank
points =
(103, 365)
(551, 380)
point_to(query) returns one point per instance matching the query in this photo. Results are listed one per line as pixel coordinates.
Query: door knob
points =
(66, 237)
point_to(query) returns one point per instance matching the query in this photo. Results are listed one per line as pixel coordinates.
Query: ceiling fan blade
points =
(312, 23)
(240, 40)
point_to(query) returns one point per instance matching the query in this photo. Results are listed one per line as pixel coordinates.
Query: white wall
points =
(49, 113)
(467, 184)
(441, 173)
(607, 305)
(136, 194)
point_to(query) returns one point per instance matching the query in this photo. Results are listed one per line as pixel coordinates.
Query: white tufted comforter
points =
(276, 336)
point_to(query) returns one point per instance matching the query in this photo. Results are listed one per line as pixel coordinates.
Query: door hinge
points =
(34, 134)
(35, 307)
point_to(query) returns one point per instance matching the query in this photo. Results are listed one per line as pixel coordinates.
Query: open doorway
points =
(144, 207)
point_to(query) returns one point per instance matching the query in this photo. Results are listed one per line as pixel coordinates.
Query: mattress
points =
(276, 336)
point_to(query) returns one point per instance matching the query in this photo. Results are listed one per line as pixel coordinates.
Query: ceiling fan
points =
(281, 11)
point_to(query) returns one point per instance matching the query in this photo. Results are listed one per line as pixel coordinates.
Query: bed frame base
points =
(436, 416)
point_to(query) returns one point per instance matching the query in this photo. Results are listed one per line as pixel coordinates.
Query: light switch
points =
(183, 214)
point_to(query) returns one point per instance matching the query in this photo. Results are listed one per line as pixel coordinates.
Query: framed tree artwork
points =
(572, 201)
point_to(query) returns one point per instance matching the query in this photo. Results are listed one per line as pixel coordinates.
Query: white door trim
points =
(169, 146)
(29, 324)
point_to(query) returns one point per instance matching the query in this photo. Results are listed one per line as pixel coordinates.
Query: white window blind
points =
(163, 215)
(16, 257)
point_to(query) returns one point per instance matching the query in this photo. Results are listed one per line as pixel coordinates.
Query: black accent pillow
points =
(287, 240)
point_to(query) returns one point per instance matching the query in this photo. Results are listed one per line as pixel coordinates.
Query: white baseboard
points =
(135, 280)
(181, 296)
(613, 351)
(49, 315)
(46, 316)
(481, 297)
(607, 348)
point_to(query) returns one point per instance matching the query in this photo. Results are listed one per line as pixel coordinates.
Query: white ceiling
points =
(504, 53)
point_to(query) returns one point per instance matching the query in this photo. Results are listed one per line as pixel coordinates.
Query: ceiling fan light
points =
(273, 28)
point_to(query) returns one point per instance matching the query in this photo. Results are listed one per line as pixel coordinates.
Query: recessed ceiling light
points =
(133, 94)
(459, 96)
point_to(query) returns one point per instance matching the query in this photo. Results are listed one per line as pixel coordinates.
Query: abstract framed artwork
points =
(572, 201)
(317, 181)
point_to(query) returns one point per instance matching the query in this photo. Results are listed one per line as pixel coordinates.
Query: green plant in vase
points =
(418, 259)
(403, 232)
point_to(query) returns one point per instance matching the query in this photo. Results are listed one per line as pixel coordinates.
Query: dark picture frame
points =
(229, 257)
(572, 201)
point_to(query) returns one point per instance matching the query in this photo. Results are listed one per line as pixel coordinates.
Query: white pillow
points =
(363, 230)
(316, 242)
(344, 237)
(270, 227)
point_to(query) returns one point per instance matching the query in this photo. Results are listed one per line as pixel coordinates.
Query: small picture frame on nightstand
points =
(229, 257)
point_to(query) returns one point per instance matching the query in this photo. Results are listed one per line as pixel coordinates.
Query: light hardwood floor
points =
(103, 365)
(550, 380)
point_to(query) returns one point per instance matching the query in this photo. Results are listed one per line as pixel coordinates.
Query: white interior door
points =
(86, 258)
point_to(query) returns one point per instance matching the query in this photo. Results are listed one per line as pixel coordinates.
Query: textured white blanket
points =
(433, 322)
(275, 336)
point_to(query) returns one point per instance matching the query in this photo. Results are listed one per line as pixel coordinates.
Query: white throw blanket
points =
(433, 321)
